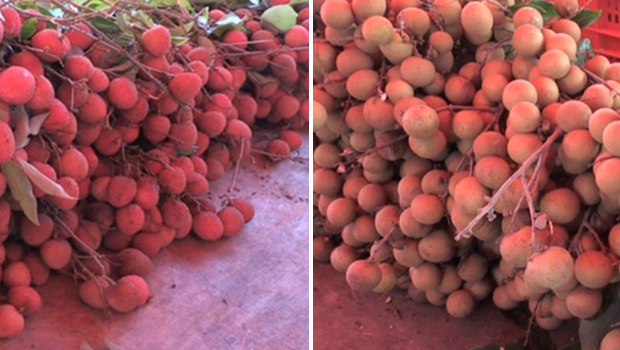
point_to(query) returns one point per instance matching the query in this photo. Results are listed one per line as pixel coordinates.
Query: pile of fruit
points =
(467, 150)
(112, 128)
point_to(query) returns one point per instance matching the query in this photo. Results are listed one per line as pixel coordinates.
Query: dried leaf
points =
(85, 346)
(112, 346)
(43, 182)
(22, 127)
(36, 122)
(21, 190)
(182, 29)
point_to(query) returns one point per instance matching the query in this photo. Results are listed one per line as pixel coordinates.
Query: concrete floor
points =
(347, 320)
(247, 292)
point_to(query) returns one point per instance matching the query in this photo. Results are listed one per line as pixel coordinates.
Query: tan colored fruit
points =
(377, 30)
(441, 41)
(450, 11)
(567, 8)
(459, 90)
(426, 276)
(522, 146)
(417, 71)
(562, 42)
(573, 115)
(362, 84)
(467, 125)
(470, 195)
(551, 268)
(460, 303)
(524, 117)
(493, 87)
(604, 173)
(389, 278)
(502, 299)
(611, 135)
(569, 27)
(522, 66)
(597, 64)
(593, 269)
(337, 14)
(363, 276)
(547, 90)
(427, 209)
(554, 64)
(528, 40)
(597, 96)
(583, 302)
(574, 82)
(473, 268)
(477, 22)
(611, 340)
(408, 256)
(417, 20)
(517, 91)
(420, 121)
(364, 9)
(492, 171)
(351, 60)
(437, 247)
(561, 205)
(528, 15)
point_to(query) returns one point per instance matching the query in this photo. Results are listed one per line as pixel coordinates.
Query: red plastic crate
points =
(605, 33)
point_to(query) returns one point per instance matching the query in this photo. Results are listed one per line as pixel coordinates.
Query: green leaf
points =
(592, 331)
(546, 9)
(179, 40)
(208, 2)
(584, 50)
(235, 4)
(298, 2)
(279, 18)
(104, 24)
(21, 190)
(98, 5)
(112, 346)
(28, 28)
(226, 23)
(587, 17)
(44, 11)
(144, 18)
(182, 29)
(170, 3)
(203, 20)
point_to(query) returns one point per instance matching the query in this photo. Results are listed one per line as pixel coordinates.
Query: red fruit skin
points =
(17, 85)
(156, 41)
(185, 86)
(7, 143)
(53, 45)
(80, 36)
(43, 94)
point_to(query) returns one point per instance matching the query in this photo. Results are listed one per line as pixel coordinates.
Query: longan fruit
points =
(342, 256)
(437, 247)
(433, 147)
(488, 52)
(578, 145)
(473, 268)
(522, 146)
(341, 212)
(518, 90)
(378, 114)
(611, 340)
(386, 220)
(593, 269)
(528, 15)
(427, 209)
(567, 8)
(551, 268)
(441, 41)
(490, 143)
(547, 90)
(522, 66)
(470, 195)
(408, 254)
(397, 50)
(362, 84)
(584, 186)
(477, 22)
(583, 302)
(597, 64)
(528, 40)
(524, 117)
(363, 276)
(426, 276)
(389, 278)
(515, 247)
(417, 71)
(364, 229)
(574, 82)
(450, 280)
(435, 182)
(459, 90)
(569, 27)
(337, 14)
(410, 226)
(561, 205)
(460, 303)
(326, 182)
(554, 64)
(573, 115)
(604, 173)
(371, 197)
(420, 121)
(492, 171)
(467, 124)
(398, 89)
(562, 42)
(502, 299)
(597, 96)
(450, 11)
(415, 19)
(435, 297)
(364, 9)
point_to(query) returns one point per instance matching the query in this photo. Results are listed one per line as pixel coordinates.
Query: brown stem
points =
(484, 211)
